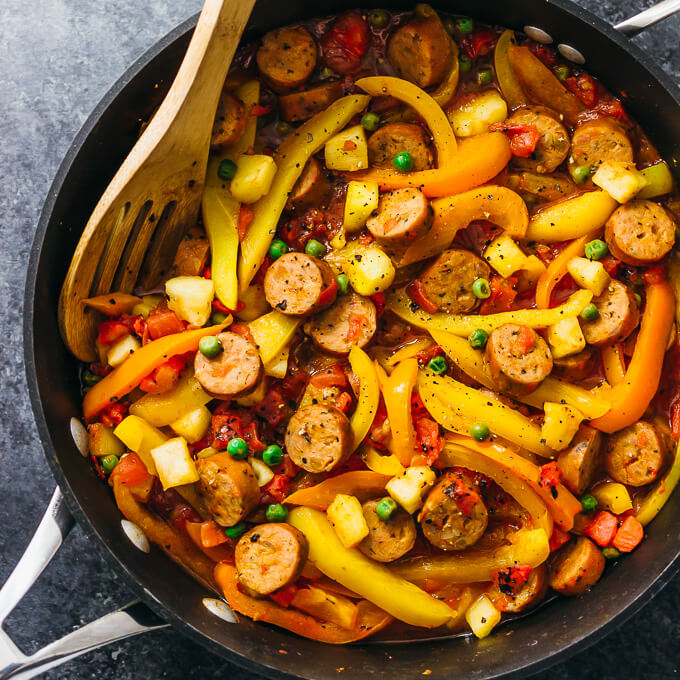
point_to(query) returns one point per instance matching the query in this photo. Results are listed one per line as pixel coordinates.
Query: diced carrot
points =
(628, 536)
(131, 471)
(602, 528)
(212, 534)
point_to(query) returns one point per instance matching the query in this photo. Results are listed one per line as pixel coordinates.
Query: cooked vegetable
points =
(174, 463)
(656, 498)
(588, 274)
(347, 519)
(361, 201)
(262, 471)
(103, 442)
(474, 113)
(560, 425)
(122, 349)
(620, 180)
(193, 425)
(386, 508)
(659, 180)
(363, 484)
(403, 162)
(253, 179)
(565, 338)
(272, 332)
(510, 87)
(347, 150)
(369, 394)
(237, 448)
(410, 486)
(504, 255)
(480, 432)
(482, 616)
(614, 497)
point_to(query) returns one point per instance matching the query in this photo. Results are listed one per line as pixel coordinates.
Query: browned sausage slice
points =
(310, 187)
(270, 557)
(234, 371)
(286, 58)
(640, 232)
(518, 358)
(298, 106)
(447, 282)
(227, 487)
(635, 455)
(528, 595)
(576, 366)
(578, 463)
(230, 121)
(192, 253)
(454, 516)
(297, 283)
(619, 316)
(577, 566)
(389, 140)
(388, 539)
(352, 320)
(603, 139)
(318, 438)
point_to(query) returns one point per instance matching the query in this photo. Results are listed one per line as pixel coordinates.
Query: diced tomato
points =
(110, 331)
(558, 538)
(509, 579)
(113, 414)
(465, 496)
(431, 352)
(333, 376)
(356, 323)
(266, 263)
(259, 110)
(218, 306)
(162, 321)
(379, 302)
(654, 274)
(429, 441)
(272, 408)
(366, 238)
(584, 87)
(243, 330)
(131, 470)
(602, 528)
(503, 294)
(481, 42)
(278, 488)
(294, 383)
(546, 54)
(212, 534)
(202, 443)
(611, 264)
(285, 596)
(349, 145)
(345, 42)
(245, 217)
(343, 402)
(207, 272)
(181, 514)
(675, 419)
(141, 329)
(629, 534)
(525, 339)
(252, 437)
(523, 137)
(164, 377)
(608, 106)
(418, 409)
(415, 291)
(225, 428)
(549, 477)
(329, 294)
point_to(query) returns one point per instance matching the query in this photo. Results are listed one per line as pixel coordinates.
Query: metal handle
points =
(648, 17)
(132, 619)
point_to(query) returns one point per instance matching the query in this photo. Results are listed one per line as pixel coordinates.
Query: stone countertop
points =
(58, 58)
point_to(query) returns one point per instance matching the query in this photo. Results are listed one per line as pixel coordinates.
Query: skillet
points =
(168, 594)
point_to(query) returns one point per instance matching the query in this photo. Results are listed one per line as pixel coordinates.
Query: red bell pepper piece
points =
(110, 331)
(415, 291)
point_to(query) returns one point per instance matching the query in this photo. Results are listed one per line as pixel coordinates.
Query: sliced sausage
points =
(388, 539)
(228, 488)
(235, 371)
(635, 455)
(640, 232)
(576, 366)
(270, 557)
(286, 58)
(454, 516)
(192, 253)
(298, 106)
(420, 51)
(297, 283)
(318, 438)
(447, 282)
(230, 121)
(602, 139)
(310, 187)
(553, 145)
(544, 188)
(389, 140)
(518, 358)
(619, 316)
(578, 463)
(528, 595)
(577, 566)
(352, 320)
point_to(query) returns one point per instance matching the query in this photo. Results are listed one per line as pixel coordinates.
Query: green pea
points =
(315, 248)
(227, 169)
(108, 463)
(480, 432)
(611, 553)
(277, 248)
(237, 448)
(481, 289)
(236, 531)
(590, 313)
(343, 283)
(272, 455)
(485, 76)
(638, 298)
(437, 365)
(90, 378)
(209, 346)
(370, 121)
(403, 161)
(464, 63)
(465, 24)
(596, 250)
(478, 338)
(562, 72)
(283, 129)
(588, 503)
(378, 18)
(276, 513)
(385, 508)
(580, 173)
(217, 317)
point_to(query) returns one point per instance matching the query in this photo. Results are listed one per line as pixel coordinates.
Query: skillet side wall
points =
(106, 138)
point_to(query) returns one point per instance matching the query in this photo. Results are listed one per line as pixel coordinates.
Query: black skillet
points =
(167, 593)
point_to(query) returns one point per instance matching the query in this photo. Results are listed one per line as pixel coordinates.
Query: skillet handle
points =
(127, 621)
(652, 15)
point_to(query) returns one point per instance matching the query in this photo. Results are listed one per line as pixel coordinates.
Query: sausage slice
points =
(578, 463)
(297, 283)
(619, 316)
(389, 140)
(227, 487)
(576, 366)
(236, 370)
(390, 539)
(310, 187)
(318, 438)
(298, 106)
(577, 566)
(528, 595)
(635, 455)
(286, 58)
(230, 121)
(270, 557)
(518, 358)
(640, 232)
(603, 139)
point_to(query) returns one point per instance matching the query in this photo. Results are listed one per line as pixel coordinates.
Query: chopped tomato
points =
(349, 145)
(243, 330)
(225, 428)
(509, 579)
(611, 264)
(418, 409)
(584, 87)
(546, 54)
(366, 238)
(110, 331)
(356, 323)
(245, 217)
(429, 441)
(285, 596)
(523, 137)
(212, 534)
(415, 291)
(294, 383)
(431, 352)
(207, 272)
(217, 305)
(259, 110)
(608, 106)
(558, 538)
(113, 414)
(328, 294)
(675, 419)
(343, 402)
(272, 408)
(278, 488)
(162, 321)
(526, 339)
(266, 263)
(345, 42)
(503, 294)
(333, 376)
(654, 274)
(629, 534)
(481, 42)
(141, 329)
(165, 377)
(252, 437)
(379, 302)
(131, 470)
(602, 528)
(465, 496)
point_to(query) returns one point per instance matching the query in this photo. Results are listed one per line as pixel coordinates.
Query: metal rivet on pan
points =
(571, 54)
(219, 609)
(79, 434)
(136, 535)
(538, 34)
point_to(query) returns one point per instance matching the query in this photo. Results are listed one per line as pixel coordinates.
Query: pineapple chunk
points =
(253, 178)
(193, 425)
(347, 519)
(278, 366)
(103, 442)
(473, 113)
(531, 271)
(620, 180)
(560, 425)
(262, 471)
(408, 488)
(146, 306)
(659, 181)
(565, 338)
(191, 298)
(588, 274)
(482, 616)
(614, 497)
(174, 463)
(140, 437)
(361, 201)
(254, 303)
(504, 255)
(370, 271)
(347, 150)
(122, 350)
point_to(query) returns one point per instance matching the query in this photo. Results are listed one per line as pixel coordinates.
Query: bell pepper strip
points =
(458, 324)
(124, 378)
(369, 394)
(571, 218)
(131, 470)
(561, 503)
(656, 498)
(367, 578)
(631, 398)
(325, 606)
(218, 553)
(613, 364)
(272, 332)
(364, 484)
(370, 619)
(510, 87)
(140, 437)
(445, 91)
(212, 534)
(499, 205)
(113, 304)
(471, 362)
(412, 349)
(383, 464)
(290, 158)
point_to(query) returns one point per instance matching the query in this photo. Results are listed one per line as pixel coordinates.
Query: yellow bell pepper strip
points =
(656, 498)
(272, 332)
(139, 364)
(499, 205)
(457, 407)
(364, 484)
(470, 361)
(527, 546)
(631, 398)
(412, 349)
(444, 92)
(613, 364)
(140, 437)
(113, 304)
(399, 303)
(384, 464)
(571, 218)
(369, 394)
(510, 87)
(290, 158)
(367, 578)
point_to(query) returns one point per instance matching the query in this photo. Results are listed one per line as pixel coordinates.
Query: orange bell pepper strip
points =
(113, 304)
(510, 87)
(370, 618)
(631, 398)
(613, 364)
(217, 553)
(364, 484)
(139, 364)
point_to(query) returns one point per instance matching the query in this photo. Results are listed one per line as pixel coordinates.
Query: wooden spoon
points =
(156, 194)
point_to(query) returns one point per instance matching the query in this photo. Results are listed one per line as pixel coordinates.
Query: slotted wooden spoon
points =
(155, 196)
